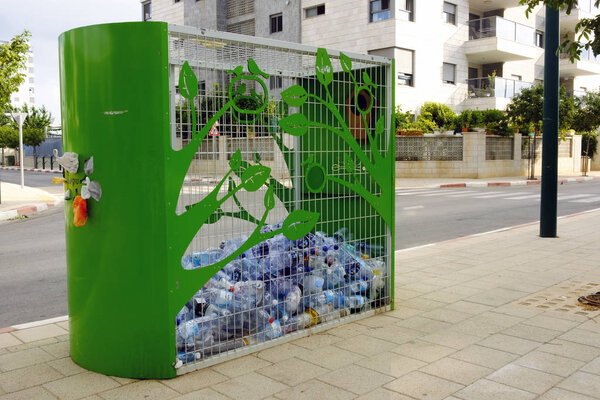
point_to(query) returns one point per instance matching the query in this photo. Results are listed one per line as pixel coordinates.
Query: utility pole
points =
(548, 205)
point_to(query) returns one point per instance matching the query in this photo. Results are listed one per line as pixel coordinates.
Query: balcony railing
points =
(501, 28)
(496, 87)
(585, 55)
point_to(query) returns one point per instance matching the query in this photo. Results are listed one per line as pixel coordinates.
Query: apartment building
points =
(469, 54)
(26, 92)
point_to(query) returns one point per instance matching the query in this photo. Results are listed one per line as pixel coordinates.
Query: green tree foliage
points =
(589, 144)
(527, 107)
(587, 112)
(9, 137)
(441, 114)
(34, 126)
(13, 56)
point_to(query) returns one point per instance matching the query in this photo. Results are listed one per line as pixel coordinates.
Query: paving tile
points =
(281, 352)
(593, 367)
(591, 325)
(509, 344)
(402, 312)
(249, 387)
(58, 350)
(7, 340)
(561, 394)
(35, 393)
(348, 330)
(141, 390)
(365, 345)
(81, 385)
(383, 394)
(195, 380)
(329, 357)
(531, 332)
(356, 379)
(422, 304)
(583, 383)
(475, 328)
(547, 322)
(377, 321)
(64, 325)
(550, 363)
(446, 315)
(392, 364)
(39, 333)
(524, 378)
(25, 358)
(572, 350)
(496, 319)
(423, 324)
(66, 366)
(292, 372)
(423, 351)
(497, 297)
(423, 386)
(315, 341)
(395, 334)
(485, 389)
(484, 356)
(240, 366)
(456, 340)
(27, 377)
(314, 389)
(582, 336)
(468, 307)
(204, 394)
(456, 371)
(517, 310)
(123, 381)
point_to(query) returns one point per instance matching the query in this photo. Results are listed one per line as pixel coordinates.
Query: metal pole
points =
(548, 207)
(21, 149)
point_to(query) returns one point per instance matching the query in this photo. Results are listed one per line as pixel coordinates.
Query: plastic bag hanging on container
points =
(91, 189)
(69, 161)
(79, 211)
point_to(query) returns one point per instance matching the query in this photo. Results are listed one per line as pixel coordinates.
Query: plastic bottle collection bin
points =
(247, 193)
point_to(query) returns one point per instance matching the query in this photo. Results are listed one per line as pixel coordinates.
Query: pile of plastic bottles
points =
(277, 287)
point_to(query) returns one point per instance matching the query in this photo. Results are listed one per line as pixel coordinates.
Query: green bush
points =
(442, 115)
(477, 118)
(403, 119)
(589, 143)
(493, 115)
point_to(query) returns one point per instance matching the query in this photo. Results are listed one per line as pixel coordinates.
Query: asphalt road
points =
(32, 251)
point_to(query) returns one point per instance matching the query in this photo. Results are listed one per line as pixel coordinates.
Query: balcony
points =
(489, 5)
(588, 64)
(495, 39)
(492, 92)
(584, 9)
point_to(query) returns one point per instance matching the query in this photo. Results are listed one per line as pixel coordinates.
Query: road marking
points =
(465, 193)
(406, 192)
(490, 195)
(412, 208)
(531, 196)
(442, 193)
(588, 200)
(573, 196)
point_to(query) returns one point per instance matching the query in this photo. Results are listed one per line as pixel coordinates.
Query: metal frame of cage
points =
(210, 55)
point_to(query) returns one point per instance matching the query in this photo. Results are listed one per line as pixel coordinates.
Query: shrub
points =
(589, 144)
(477, 118)
(442, 115)
(493, 115)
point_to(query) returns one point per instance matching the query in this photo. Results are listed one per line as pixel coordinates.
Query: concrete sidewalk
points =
(491, 316)
(17, 201)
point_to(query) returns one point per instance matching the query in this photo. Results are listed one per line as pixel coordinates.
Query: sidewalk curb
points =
(527, 182)
(48, 171)
(27, 210)
(34, 324)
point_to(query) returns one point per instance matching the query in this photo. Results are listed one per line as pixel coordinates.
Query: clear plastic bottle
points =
(355, 301)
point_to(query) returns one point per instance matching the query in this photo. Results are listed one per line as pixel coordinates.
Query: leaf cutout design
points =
(254, 177)
(323, 67)
(188, 83)
(270, 198)
(367, 80)
(345, 62)
(254, 70)
(236, 160)
(298, 223)
(294, 96)
(380, 126)
(295, 124)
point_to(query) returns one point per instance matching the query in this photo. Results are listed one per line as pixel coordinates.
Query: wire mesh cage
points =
(294, 163)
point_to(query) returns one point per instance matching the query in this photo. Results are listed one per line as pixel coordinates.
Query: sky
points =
(46, 20)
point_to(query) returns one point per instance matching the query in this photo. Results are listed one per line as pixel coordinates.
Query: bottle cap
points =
(313, 251)
(336, 247)
(271, 320)
(325, 248)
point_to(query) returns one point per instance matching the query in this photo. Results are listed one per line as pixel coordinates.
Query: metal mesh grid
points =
(279, 286)
(499, 148)
(419, 148)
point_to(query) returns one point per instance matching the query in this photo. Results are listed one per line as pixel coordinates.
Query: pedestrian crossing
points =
(585, 198)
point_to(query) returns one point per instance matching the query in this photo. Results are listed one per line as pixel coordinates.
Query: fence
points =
(423, 148)
(499, 148)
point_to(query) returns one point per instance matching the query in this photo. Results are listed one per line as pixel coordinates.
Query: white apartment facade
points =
(469, 54)
(26, 92)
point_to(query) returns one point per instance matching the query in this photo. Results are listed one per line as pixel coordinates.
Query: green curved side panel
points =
(114, 99)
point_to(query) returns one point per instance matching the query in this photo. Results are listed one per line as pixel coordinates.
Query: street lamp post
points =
(20, 118)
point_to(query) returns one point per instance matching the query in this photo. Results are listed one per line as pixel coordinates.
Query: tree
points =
(587, 30)
(13, 56)
(34, 126)
(526, 109)
(9, 137)
(587, 112)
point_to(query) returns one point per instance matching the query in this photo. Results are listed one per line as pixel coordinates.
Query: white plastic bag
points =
(69, 161)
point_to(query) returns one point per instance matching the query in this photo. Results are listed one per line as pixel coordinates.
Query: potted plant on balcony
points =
(464, 120)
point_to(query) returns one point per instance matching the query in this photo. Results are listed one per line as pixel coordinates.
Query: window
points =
(379, 10)
(31, 70)
(32, 100)
(176, 1)
(147, 11)
(276, 23)
(314, 11)
(275, 82)
(516, 77)
(31, 90)
(31, 80)
(404, 65)
(450, 13)
(406, 10)
(539, 39)
(449, 73)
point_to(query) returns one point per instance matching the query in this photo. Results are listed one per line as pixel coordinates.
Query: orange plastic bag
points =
(80, 214)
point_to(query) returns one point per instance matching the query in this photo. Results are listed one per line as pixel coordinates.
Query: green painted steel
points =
(126, 281)
(114, 100)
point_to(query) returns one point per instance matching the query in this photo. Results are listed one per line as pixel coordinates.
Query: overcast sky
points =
(46, 20)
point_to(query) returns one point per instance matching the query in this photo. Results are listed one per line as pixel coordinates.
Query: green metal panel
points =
(114, 99)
